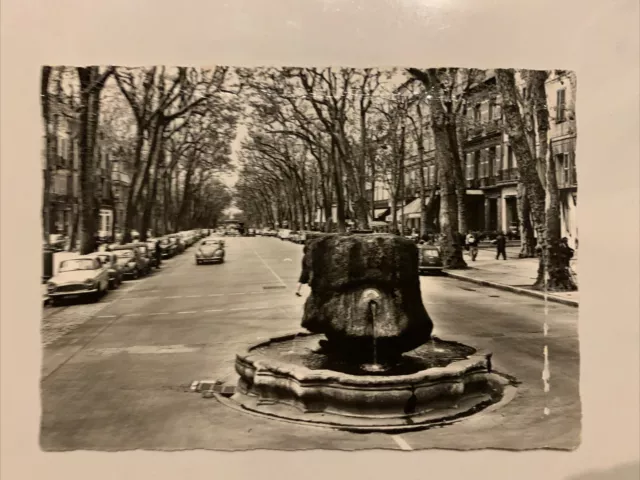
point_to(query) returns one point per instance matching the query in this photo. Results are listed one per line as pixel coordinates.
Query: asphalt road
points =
(116, 374)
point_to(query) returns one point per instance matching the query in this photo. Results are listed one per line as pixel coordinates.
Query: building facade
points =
(112, 177)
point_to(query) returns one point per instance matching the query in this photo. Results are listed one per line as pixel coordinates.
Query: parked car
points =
(284, 234)
(430, 259)
(210, 251)
(148, 255)
(79, 277)
(130, 259)
(57, 242)
(167, 247)
(179, 245)
(110, 261)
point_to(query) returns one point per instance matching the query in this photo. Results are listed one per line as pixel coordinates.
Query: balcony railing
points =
(507, 176)
(503, 176)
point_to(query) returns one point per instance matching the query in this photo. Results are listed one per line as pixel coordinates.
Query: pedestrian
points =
(158, 254)
(305, 274)
(471, 243)
(566, 251)
(501, 246)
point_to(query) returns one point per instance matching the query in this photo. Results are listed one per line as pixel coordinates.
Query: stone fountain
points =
(367, 359)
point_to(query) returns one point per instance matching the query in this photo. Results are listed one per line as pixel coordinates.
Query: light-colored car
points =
(79, 277)
(110, 261)
(284, 234)
(210, 251)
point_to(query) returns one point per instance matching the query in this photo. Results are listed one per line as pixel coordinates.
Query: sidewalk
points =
(514, 274)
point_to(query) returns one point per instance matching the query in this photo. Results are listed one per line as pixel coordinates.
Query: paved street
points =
(116, 374)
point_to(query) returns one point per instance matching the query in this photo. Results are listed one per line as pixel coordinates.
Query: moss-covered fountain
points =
(367, 359)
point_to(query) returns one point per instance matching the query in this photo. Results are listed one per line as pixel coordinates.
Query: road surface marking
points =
(240, 293)
(270, 269)
(238, 309)
(402, 443)
(214, 310)
(133, 314)
(215, 295)
(191, 296)
(176, 296)
(161, 313)
(106, 316)
(185, 313)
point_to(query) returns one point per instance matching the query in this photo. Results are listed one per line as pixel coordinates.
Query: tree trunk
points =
(423, 194)
(339, 189)
(458, 174)
(450, 237)
(552, 261)
(130, 205)
(49, 139)
(88, 128)
(527, 238)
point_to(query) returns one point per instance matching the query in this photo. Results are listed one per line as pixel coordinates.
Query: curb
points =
(509, 288)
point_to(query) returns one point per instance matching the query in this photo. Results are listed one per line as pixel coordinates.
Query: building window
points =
(510, 158)
(491, 162)
(477, 113)
(524, 93)
(563, 169)
(432, 175)
(560, 106)
(475, 173)
(492, 109)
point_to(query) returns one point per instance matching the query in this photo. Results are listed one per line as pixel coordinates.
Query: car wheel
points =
(135, 274)
(54, 302)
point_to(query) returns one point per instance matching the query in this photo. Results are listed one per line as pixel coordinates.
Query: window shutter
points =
(484, 111)
(498, 161)
(483, 163)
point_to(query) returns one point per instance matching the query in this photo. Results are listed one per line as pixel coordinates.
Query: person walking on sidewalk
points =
(305, 274)
(472, 245)
(501, 246)
(158, 254)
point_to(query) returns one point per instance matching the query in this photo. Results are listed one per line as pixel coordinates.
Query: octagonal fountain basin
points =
(289, 378)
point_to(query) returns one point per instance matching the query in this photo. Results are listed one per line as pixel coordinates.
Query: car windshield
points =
(125, 253)
(77, 264)
(211, 242)
(430, 252)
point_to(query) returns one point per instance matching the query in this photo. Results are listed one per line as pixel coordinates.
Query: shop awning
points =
(381, 213)
(411, 210)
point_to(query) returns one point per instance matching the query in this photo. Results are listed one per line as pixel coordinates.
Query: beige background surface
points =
(597, 39)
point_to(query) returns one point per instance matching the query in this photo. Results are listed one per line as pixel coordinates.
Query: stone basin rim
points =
(475, 362)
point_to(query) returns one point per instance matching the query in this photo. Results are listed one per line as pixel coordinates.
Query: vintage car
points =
(148, 255)
(76, 277)
(178, 243)
(110, 261)
(131, 260)
(430, 259)
(167, 247)
(57, 242)
(210, 251)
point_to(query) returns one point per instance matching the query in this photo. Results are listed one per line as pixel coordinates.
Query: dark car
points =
(210, 251)
(131, 260)
(167, 247)
(147, 254)
(430, 259)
